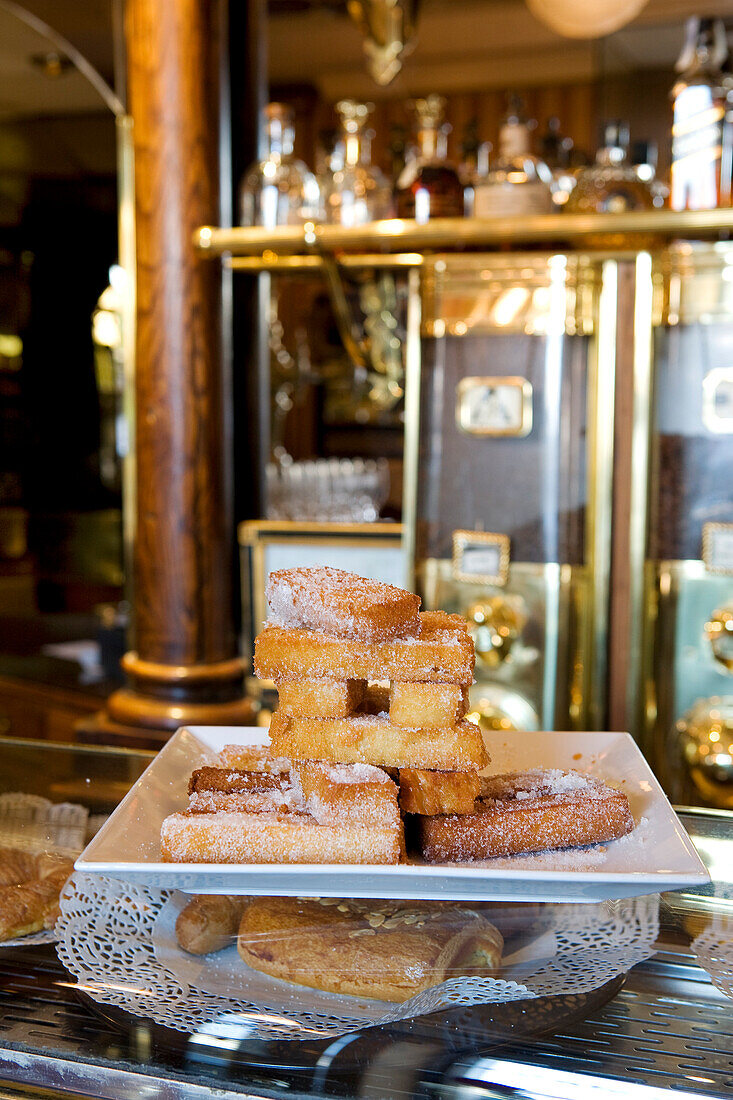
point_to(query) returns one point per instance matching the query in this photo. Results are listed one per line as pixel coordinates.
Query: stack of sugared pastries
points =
(331, 635)
(347, 757)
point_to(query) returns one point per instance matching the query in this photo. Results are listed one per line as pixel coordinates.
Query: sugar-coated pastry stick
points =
(436, 792)
(332, 793)
(234, 779)
(341, 603)
(527, 812)
(211, 790)
(254, 758)
(276, 838)
(423, 705)
(442, 653)
(373, 740)
(323, 698)
(347, 792)
(253, 801)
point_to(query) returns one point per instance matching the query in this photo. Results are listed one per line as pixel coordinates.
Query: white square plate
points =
(657, 855)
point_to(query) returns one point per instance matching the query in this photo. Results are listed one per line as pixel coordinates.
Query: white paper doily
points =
(116, 940)
(35, 824)
(713, 948)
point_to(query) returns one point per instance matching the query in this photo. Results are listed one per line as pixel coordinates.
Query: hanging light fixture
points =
(388, 27)
(585, 18)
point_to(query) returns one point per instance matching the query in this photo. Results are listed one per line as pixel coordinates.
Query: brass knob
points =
(495, 624)
(705, 735)
(495, 707)
(719, 632)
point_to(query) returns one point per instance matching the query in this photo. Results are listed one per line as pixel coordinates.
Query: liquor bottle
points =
(279, 190)
(357, 191)
(644, 155)
(518, 182)
(611, 185)
(701, 126)
(474, 166)
(556, 151)
(555, 148)
(428, 186)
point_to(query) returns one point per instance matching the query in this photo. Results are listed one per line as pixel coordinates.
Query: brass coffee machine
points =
(685, 699)
(513, 475)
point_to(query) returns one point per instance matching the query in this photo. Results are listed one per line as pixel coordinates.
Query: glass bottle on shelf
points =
(556, 150)
(474, 165)
(357, 191)
(611, 185)
(644, 155)
(279, 190)
(701, 126)
(428, 186)
(518, 182)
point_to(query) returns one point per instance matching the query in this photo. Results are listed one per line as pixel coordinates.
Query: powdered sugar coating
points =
(254, 758)
(342, 604)
(546, 784)
(282, 800)
(355, 773)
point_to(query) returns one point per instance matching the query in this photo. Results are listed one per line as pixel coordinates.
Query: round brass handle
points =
(495, 623)
(719, 632)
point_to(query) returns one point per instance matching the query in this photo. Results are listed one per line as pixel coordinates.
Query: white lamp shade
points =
(585, 18)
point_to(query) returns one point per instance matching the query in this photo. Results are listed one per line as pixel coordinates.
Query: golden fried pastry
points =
(209, 923)
(233, 779)
(320, 698)
(251, 802)
(528, 812)
(330, 792)
(431, 792)
(276, 838)
(442, 653)
(371, 739)
(213, 789)
(443, 620)
(418, 705)
(340, 603)
(347, 792)
(388, 951)
(34, 904)
(253, 758)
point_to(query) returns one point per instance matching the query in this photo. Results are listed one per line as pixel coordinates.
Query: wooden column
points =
(184, 667)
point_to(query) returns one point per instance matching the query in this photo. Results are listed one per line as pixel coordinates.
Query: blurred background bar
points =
(468, 328)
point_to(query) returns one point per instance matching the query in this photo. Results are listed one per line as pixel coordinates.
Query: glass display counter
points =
(660, 1022)
(664, 1025)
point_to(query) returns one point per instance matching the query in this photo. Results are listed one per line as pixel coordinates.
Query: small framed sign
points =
(480, 557)
(494, 406)
(717, 547)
